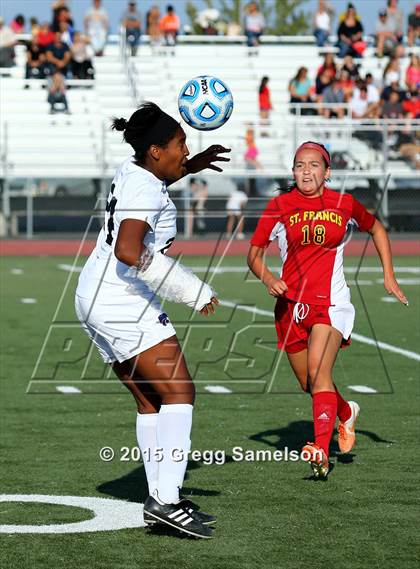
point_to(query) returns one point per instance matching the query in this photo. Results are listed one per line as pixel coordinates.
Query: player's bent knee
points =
(182, 391)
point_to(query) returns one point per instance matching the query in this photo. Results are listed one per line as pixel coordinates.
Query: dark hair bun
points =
(119, 124)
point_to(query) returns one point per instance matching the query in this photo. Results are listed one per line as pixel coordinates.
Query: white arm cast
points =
(172, 281)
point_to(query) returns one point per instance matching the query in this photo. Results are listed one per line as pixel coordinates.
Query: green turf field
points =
(270, 514)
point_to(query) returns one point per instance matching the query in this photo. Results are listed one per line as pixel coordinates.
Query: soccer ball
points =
(205, 102)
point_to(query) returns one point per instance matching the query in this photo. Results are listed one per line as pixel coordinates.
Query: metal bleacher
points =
(159, 78)
(36, 144)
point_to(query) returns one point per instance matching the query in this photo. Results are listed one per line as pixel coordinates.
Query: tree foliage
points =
(283, 17)
(289, 20)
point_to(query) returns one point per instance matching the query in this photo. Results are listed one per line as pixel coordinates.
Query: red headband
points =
(316, 147)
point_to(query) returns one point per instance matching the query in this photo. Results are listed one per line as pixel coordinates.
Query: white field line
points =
(28, 300)
(362, 389)
(222, 270)
(69, 268)
(243, 269)
(217, 389)
(358, 337)
(68, 389)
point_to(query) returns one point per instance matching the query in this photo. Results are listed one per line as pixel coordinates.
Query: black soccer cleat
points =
(176, 516)
(206, 519)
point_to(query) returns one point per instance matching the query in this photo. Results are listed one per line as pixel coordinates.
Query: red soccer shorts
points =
(294, 321)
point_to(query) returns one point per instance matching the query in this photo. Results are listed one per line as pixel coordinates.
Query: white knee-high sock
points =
(173, 433)
(146, 430)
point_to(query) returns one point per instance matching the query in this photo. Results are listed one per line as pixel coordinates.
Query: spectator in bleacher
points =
(346, 84)
(411, 105)
(350, 34)
(321, 22)
(333, 95)
(57, 94)
(251, 159)
(64, 22)
(153, 26)
(35, 60)
(322, 82)
(169, 26)
(96, 27)
(360, 107)
(254, 26)
(412, 73)
(351, 67)
(18, 24)
(396, 17)
(413, 31)
(359, 103)
(392, 71)
(34, 26)
(58, 56)
(60, 13)
(328, 65)
(45, 35)
(386, 91)
(300, 90)
(372, 90)
(7, 45)
(386, 38)
(251, 151)
(264, 100)
(81, 63)
(56, 7)
(392, 109)
(132, 24)
(372, 97)
(67, 33)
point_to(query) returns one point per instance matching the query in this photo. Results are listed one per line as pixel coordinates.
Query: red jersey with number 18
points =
(311, 234)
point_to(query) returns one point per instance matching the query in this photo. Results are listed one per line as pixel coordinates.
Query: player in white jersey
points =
(117, 304)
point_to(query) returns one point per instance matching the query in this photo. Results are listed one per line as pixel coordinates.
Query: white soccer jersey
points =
(135, 193)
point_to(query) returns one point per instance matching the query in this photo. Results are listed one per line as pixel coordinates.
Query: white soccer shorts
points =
(124, 328)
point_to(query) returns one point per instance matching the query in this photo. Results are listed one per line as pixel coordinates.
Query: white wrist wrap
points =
(172, 281)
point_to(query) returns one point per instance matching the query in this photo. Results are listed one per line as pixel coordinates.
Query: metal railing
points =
(386, 194)
(129, 68)
(363, 154)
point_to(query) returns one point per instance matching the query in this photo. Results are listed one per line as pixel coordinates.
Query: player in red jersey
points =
(313, 315)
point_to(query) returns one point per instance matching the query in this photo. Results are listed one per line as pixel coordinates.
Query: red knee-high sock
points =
(324, 408)
(343, 408)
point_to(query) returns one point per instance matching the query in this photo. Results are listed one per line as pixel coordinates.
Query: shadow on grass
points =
(296, 434)
(133, 486)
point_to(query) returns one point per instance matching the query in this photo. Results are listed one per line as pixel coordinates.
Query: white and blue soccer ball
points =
(205, 102)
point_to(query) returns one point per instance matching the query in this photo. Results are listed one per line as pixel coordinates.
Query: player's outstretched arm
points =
(205, 159)
(275, 286)
(383, 246)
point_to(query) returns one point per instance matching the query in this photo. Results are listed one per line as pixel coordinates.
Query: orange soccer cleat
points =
(346, 429)
(318, 459)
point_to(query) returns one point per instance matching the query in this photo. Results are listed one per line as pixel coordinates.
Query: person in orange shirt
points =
(169, 26)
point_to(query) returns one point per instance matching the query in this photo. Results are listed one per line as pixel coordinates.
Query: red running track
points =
(56, 248)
